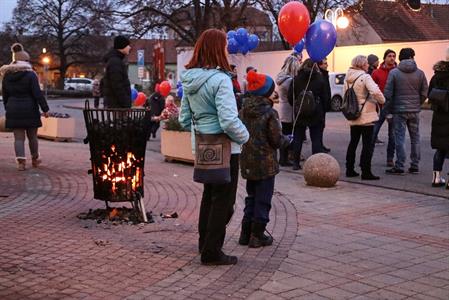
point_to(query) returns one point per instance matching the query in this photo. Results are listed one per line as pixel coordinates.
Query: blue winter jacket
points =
(210, 95)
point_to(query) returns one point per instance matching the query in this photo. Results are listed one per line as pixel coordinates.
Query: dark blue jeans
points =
(378, 125)
(402, 122)
(258, 201)
(438, 159)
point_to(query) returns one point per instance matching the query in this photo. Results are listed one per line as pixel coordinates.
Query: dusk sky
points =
(6, 7)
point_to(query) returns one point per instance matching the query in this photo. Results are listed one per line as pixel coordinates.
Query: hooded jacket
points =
(208, 94)
(259, 156)
(22, 96)
(116, 85)
(439, 138)
(283, 81)
(380, 75)
(406, 88)
(368, 95)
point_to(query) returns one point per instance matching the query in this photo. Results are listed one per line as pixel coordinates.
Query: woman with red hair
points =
(209, 99)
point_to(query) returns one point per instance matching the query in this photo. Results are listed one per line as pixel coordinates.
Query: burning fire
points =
(120, 172)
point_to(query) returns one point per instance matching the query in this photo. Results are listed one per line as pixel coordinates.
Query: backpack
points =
(350, 105)
(304, 104)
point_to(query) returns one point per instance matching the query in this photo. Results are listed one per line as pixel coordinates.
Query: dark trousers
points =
(366, 132)
(438, 159)
(287, 129)
(96, 102)
(315, 136)
(217, 207)
(391, 143)
(258, 201)
(154, 126)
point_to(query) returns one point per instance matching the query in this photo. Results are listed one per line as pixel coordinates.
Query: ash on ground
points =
(116, 215)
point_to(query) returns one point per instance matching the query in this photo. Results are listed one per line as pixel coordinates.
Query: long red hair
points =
(210, 51)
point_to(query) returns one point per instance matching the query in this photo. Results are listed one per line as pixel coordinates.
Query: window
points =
(340, 78)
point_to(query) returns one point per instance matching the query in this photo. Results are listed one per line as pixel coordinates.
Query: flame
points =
(122, 173)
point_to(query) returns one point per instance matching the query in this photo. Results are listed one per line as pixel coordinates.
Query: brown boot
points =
(35, 162)
(21, 164)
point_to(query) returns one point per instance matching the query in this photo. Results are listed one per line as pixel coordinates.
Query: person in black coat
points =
(22, 98)
(439, 137)
(326, 103)
(156, 103)
(116, 84)
(309, 71)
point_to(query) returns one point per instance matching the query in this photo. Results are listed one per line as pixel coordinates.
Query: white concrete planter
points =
(58, 129)
(176, 145)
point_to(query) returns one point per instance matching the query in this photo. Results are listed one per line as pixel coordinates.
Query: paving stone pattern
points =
(347, 242)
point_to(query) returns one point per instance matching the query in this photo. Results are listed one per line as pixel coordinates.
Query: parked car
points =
(336, 81)
(78, 84)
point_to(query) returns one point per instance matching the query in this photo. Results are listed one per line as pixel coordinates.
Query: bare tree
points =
(66, 24)
(186, 19)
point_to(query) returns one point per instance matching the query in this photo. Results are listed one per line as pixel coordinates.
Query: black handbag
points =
(212, 157)
(439, 98)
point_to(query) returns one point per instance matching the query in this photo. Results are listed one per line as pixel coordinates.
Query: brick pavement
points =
(351, 241)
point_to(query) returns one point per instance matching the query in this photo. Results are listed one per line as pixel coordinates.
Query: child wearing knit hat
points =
(258, 160)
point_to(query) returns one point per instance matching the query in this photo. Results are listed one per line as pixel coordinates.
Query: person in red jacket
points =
(380, 76)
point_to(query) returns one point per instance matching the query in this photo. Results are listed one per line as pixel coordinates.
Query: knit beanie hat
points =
(121, 42)
(388, 51)
(259, 84)
(372, 59)
(18, 53)
(406, 53)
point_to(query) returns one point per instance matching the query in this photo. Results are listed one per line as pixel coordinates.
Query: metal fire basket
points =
(117, 140)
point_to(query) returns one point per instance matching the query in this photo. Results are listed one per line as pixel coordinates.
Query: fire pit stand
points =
(117, 140)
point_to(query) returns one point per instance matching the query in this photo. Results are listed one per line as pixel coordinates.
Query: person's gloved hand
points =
(290, 138)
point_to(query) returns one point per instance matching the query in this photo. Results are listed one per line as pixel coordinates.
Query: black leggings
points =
(366, 132)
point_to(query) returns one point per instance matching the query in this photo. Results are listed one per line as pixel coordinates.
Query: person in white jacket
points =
(368, 96)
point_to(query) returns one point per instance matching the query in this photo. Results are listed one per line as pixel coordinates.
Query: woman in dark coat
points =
(309, 78)
(440, 121)
(22, 98)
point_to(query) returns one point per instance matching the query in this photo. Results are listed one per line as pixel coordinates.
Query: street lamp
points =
(339, 20)
(46, 62)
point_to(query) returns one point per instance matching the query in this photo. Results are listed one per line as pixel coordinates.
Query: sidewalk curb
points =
(366, 183)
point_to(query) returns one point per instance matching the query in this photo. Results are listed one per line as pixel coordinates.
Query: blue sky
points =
(6, 7)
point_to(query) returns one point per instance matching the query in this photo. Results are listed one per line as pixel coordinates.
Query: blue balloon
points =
(178, 84)
(241, 36)
(179, 92)
(134, 93)
(231, 34)
(299, 46)
(320, 39)
(233, 46)
(244, 49)
(253, 42)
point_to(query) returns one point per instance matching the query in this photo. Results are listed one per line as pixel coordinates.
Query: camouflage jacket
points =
(258, 159)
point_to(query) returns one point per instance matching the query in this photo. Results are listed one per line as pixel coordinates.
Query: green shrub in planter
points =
(173, 124)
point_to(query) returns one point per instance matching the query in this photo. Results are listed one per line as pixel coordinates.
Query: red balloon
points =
(164, 88)
(141, 99)
(294, 20)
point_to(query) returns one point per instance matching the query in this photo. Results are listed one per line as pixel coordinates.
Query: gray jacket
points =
(406, 88)
(285, 109)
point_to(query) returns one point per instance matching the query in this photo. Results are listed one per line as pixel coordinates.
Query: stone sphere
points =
(321, 170)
